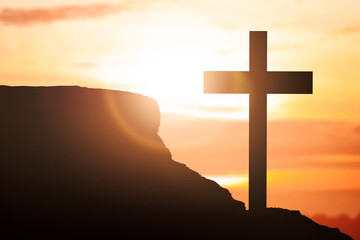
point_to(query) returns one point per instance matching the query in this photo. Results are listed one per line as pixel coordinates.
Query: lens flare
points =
(148, 140)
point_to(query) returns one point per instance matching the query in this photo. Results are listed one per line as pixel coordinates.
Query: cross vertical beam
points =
(257, 123)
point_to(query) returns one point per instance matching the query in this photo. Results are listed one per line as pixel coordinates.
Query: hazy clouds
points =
(23, 16)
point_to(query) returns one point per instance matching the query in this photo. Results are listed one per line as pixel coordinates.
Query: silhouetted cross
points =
(258, 82)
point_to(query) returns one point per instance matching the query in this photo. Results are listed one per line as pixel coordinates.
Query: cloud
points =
(24, 16)
(339, 164)
(220, 109)
(357, 129)
(86, 65)
(283, 47)
(316, 137)
(223, 145)
(346, 30)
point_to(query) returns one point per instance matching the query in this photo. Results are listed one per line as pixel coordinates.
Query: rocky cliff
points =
(78, 162)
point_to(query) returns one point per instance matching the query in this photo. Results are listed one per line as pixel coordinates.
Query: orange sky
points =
(160, 48)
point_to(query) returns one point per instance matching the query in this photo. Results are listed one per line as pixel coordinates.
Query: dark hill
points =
(78, 162)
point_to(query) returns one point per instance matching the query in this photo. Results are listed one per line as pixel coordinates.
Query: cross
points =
(257, 82)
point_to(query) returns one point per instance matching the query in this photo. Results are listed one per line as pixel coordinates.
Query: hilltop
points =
(90, 163)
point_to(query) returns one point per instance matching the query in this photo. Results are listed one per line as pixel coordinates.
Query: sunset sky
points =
(160, 48)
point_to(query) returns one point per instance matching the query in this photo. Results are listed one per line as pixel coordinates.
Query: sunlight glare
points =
(169, 68)
(234, 181)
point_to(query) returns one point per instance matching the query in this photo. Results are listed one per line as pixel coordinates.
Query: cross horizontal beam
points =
(248, 82)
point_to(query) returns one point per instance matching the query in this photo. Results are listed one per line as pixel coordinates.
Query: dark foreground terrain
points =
(78, 162)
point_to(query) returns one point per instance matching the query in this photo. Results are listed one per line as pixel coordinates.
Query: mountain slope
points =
(89, 162)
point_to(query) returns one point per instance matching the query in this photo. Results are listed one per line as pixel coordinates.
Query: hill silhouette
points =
(79, 162)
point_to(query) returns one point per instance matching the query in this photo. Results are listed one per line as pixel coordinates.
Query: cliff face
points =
(89, 162)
